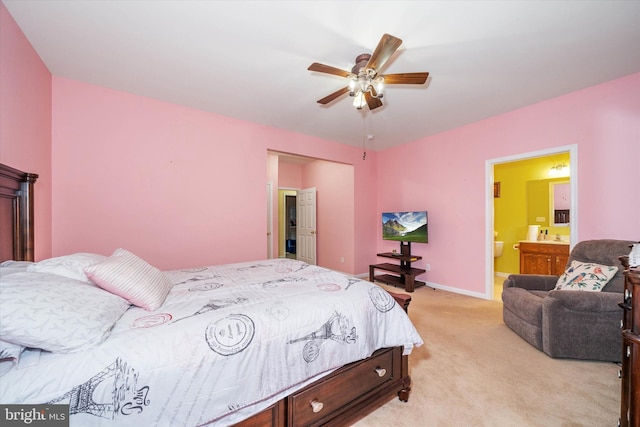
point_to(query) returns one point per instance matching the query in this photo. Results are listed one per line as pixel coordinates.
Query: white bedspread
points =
(228, 341)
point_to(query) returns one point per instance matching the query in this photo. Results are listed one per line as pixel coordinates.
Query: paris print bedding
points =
(227, 342)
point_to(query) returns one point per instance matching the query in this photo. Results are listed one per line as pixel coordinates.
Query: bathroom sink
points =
(546, 242)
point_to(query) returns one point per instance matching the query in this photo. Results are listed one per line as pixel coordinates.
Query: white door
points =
(306, 225)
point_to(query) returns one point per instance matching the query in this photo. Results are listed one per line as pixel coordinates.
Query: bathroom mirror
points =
(541, 202)
(559, 203)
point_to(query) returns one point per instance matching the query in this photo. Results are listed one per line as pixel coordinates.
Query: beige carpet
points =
(474, 371)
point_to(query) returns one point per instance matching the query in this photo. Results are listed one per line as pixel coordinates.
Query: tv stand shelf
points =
(405, 275)
(403, 258)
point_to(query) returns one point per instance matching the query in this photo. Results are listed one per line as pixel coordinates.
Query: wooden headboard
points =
(16, 214)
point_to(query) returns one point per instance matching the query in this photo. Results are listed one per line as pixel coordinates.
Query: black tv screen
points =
(405, 226)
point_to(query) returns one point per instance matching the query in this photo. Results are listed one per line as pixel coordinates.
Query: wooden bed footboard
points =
(346, 395)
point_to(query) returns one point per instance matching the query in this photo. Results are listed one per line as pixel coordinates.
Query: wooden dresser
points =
(630, 372)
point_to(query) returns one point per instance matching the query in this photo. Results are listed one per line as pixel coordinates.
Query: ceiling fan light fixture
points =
(364, 83)
(359, 101)
(379, 86)
(352, 85)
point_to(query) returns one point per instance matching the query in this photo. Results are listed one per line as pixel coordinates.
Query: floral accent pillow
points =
(585, 276)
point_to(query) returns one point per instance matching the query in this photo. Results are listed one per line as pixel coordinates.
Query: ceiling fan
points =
(365, 84)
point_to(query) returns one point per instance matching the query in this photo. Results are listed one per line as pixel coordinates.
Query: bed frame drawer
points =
(272, 416)
(317, 404)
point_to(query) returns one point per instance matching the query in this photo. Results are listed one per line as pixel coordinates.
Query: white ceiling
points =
(249, 59)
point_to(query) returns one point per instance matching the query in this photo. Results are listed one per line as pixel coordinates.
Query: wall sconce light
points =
(559, 169)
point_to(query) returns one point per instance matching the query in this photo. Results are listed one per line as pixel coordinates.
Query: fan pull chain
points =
(364, 131)
(364, 151)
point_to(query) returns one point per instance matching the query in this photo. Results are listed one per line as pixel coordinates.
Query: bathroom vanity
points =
(543, 257)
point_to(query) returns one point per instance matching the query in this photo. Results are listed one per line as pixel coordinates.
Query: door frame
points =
(269, 220)
(489, 211)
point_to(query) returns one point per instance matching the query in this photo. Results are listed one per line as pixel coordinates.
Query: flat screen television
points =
(405, 226)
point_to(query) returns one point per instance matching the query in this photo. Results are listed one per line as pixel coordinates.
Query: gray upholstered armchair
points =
(570, 323)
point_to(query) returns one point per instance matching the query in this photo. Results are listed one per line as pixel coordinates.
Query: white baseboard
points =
(457, 290)
(435, 286)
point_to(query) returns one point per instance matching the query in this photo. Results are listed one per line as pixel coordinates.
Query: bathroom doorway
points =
(500, 191)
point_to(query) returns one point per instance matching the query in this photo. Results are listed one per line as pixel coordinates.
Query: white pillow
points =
(9, 356)
(132, 278)
(585, 276)
(56, 313)
(11, 266)
(71, 266)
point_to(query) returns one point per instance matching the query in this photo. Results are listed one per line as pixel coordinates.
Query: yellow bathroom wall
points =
(511, 209)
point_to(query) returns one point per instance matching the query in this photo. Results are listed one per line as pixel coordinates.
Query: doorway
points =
(333, 228)
(289, 226)
(491, 280)
(287, 223)
(297, 224)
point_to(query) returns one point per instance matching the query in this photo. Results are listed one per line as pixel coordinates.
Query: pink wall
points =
(289, 175)
(334, 183)
(165, 181)
(335, 211)
(445, 174)
(25, 120)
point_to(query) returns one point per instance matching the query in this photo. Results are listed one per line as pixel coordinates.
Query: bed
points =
(267, 342)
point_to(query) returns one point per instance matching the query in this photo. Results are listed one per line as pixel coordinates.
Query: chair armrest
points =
(531, 282)
(588, 301)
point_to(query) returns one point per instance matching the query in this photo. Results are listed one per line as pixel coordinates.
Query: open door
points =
(306, 225)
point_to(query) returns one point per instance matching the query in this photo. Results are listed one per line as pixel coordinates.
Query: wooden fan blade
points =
(372, 102)
(386, 47)
(327, 99)
(405, 78)
(321, 68)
